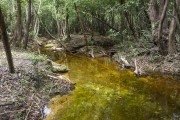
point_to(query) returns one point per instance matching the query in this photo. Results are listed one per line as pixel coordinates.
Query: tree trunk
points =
(58, 28)
(122, 20)
(172, 30)
(157, 15)
(28, 22)
(177, 10)
(36, 24)
(162, 31)
(92, 28)
(129, 22)
(6, 43)
(172, 39)
(153, 13)
(18, 33)
(82, 27)
(67, 25)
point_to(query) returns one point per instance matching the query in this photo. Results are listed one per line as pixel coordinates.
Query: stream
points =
(105, 92)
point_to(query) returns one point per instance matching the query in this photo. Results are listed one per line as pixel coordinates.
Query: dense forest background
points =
(134, 21)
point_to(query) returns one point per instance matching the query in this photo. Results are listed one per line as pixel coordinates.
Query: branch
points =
(125, 63)
(100, 20)
(137, 70)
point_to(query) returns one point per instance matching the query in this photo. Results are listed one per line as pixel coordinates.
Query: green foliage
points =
(128, 17)
(109, 11)
(36, 58)
(113, 34)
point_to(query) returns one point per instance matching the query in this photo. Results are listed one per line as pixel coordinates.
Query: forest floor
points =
(25, 93)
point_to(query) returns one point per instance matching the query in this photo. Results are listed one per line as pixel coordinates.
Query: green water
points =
(104, 92)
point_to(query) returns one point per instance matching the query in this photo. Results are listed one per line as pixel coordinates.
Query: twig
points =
(29, 108)
(6, 104)
(53, 77)
(29, 111)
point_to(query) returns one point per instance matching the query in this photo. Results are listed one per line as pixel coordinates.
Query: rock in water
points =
(59, 68)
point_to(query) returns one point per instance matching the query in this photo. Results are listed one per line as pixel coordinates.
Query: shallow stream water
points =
(105, 92)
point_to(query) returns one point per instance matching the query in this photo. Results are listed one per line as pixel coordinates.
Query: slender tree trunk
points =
(68, 37)
(102, 26)
(177, 10)
(64, 28)
(162, 30)
(153, 13)
(12, 15)
(18, 33)
(129, 22)
(28, 22)
(36, 25)
(82, 27)
(162, 18)
(122, 20)
(58, 28)
(92, 28)
(172, 39)
(6, 43)
(172, 30)
(112, 19)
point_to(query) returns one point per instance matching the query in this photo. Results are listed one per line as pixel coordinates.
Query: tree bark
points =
(172, 39)
(6, 43)
(172, 48)
(28, 22)
(68, 37)
(162, 41)
(92, 28)
(157, 15)
(122, 20)
(162, 18)
(36, 24)
(18, 33)
(153, 13)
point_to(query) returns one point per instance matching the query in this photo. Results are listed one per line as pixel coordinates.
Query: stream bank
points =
(147, 57)
(25, 93)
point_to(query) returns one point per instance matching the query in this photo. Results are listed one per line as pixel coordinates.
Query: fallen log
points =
(126, 65)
